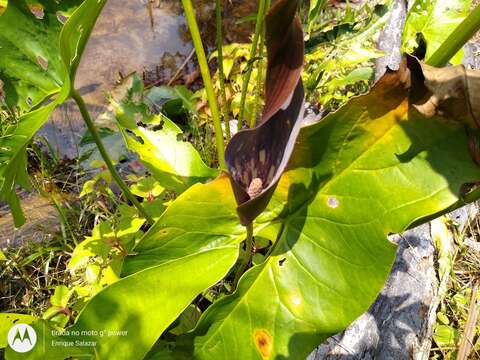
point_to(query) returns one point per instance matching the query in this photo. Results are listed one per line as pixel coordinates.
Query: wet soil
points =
(42, 222)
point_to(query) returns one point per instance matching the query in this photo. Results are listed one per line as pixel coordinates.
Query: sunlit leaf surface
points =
(6, 323)
(203, 217)
(434, 21)
(134, 311)
(373, 168)
(174, 162)
(31, 67)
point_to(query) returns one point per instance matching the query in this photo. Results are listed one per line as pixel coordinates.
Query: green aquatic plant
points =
(284, 245)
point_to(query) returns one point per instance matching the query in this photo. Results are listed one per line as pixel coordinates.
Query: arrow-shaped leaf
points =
(373, 168)
(201, 218)
(131, 314)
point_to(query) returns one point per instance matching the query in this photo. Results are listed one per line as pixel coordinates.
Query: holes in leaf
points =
(37, 11)
(282, 261)
(61, 17)
(333, 202)
(138, 118)
(158, 127)
(182, 137)
(135, 137)
(29, 101)
(42, 62)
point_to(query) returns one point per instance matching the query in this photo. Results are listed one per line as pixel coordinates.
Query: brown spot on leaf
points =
(263, 342)
(61, 17)
(42, 62)
(37, 10)
(150, 197)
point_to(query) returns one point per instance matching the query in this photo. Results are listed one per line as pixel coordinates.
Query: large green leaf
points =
(202, 218)
(370, 169)
(34, 39)
(132, 313)
(192, 246)
(175, 163)
(434, 20)
(32, 68)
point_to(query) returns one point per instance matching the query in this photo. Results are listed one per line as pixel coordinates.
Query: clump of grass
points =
(34, 268)
(457, 330)
(30, 274)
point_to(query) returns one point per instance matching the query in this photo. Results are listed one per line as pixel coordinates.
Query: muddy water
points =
(149, 37)
(132, 35)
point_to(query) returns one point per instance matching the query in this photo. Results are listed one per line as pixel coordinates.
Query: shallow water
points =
(128, 37)
(132, 35)
(149, 37)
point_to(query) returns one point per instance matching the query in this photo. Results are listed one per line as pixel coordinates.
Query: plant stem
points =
(64, 223)
(101, 148)
(253, 51)
(207, 79)
(258, 90)
(260, 75)
(246, 259)
(456, 40)
(221, 71)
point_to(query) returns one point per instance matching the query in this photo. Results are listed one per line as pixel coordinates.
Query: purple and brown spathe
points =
(256, 158)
